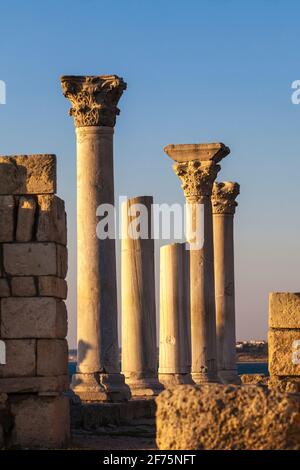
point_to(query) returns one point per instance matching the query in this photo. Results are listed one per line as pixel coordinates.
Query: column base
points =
(171, 380)
(144, 386)
(205, 377)
(100, 387)
(229, 377)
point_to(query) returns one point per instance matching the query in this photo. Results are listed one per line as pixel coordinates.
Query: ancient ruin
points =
(33, 237)
(181, 354)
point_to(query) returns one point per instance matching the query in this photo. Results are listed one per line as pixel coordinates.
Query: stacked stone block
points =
(33, 315)
(284, 340)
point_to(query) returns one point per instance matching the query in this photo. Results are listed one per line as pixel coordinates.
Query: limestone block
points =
(52, 220)
(52, 286)
(284, 310)
(34, 384)
(40, 422)
(30, 259)
(4, 288)
(284, 352)
(62, 261)
(227, 417)
(28, 174)
(7, 207)
(52, 357)
(23, 286)
(254, 379)
(33, 317)
(20, 358)
(285, 384)
(25, 220)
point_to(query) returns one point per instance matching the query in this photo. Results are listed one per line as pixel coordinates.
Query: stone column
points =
(94, 108)
(174, 345)
(223, 205)
(197, 167)
(139, 345)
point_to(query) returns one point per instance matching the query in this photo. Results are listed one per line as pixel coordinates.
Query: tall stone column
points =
(197, 167)
(223, 205)
(139, 345)
(174, 344)
(94, 108)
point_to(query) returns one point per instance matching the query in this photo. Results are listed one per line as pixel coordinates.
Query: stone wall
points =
(33, 315)
(284, 341)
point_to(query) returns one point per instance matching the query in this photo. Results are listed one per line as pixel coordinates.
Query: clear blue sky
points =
(197, 71)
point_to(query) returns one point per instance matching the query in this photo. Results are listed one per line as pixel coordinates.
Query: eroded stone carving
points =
(94, 98)
(223, 197)
(197, 178)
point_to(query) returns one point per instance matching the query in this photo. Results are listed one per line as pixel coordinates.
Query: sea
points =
(243, 368)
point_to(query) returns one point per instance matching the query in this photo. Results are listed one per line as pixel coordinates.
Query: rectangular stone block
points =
(31, 259)
(28, 174)
(52, 357)
(7, 222)
(52, 286)
(34, 384)
(284, 352)
(62, 261)
(284, 310)
(4, 288)
(20, 358)
(33, 317)
(23, 286)
(52, 225)
(40, 422)
(25, 219)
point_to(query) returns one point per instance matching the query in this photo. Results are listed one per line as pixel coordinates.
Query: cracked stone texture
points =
(227, 417)
(284, 310)
(284, 354)
(28, 174)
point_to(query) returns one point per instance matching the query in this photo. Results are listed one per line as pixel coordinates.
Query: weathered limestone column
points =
(94, 108)
(139, 345)
(223, 205)
(174, 345)
(197, 167)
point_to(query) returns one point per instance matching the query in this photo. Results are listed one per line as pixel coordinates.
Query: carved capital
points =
(94, 99)
(223, 197)
(197, 178)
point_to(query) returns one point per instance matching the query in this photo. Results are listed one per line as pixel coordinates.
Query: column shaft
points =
(203, 319)
(223, 215)
(174, 346)
(139, 344)
(96, 261)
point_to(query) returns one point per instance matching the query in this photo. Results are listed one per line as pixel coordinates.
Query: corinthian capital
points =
(94, 99)
(197, 178)
(223, 197)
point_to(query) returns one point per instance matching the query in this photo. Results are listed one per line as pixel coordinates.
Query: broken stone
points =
(227, 417)
(28, 174)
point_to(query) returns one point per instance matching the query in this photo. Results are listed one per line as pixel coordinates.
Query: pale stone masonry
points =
(94, 102)
(284, 337)
(175, 334)
(223, 207)
(33, 318)
(139, 346)
(197, 167)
